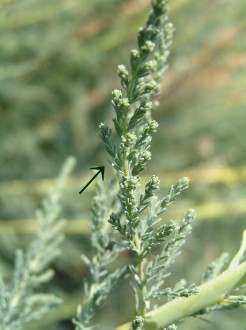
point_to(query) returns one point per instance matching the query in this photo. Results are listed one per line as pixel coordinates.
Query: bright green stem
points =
(211, 293)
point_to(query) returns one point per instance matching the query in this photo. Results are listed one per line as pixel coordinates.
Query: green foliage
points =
(137, 219)
(45, 67)
(57, 65)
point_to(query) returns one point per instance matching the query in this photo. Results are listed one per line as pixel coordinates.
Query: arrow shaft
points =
(89, 182)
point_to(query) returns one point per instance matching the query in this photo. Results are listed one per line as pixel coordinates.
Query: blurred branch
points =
(63, 312)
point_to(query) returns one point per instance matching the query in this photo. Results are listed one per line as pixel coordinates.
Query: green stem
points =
(211, 293)
(143, 289)
(140, 268)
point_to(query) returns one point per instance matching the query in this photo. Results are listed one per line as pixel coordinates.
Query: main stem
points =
(141, 307)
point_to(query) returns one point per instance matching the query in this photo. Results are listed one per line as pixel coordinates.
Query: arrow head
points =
(100, 169)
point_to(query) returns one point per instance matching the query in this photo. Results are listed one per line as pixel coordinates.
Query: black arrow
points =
(100, 170)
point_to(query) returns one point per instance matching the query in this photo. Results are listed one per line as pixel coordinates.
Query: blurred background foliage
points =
(57, 69)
